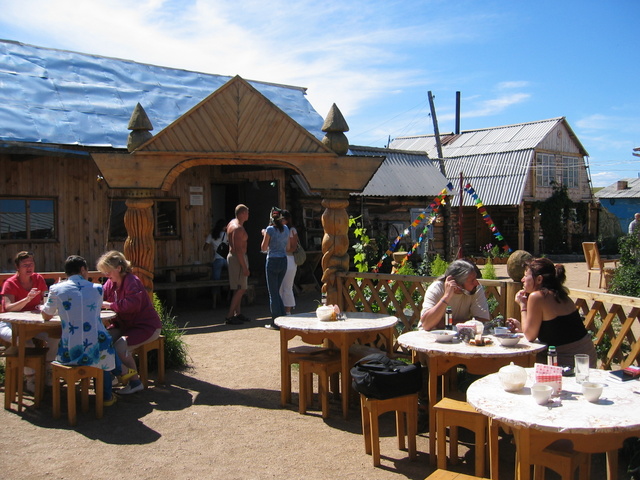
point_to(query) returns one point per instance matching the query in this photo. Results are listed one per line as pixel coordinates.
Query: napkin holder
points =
(548, 375)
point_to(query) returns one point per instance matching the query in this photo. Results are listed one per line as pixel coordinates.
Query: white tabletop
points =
(355, 321)
(618, 408)
(424, 341)
(36, 317)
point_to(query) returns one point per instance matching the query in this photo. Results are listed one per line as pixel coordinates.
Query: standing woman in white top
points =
(217, 236)
(286, 290)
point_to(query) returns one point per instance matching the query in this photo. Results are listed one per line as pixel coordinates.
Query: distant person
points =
(458, 288)
(217, 239)
(275, 241)
(238, 262)
(85, 340)
(634, 226)
(136, 321)
(549, 315)
(286, 290)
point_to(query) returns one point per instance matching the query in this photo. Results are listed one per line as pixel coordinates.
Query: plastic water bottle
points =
(552, 356)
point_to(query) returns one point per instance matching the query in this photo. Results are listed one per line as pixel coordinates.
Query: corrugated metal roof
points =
(611, 191)
(497, 178)
(508, 138)
(496, 161)
(68, 98)
(403, 173)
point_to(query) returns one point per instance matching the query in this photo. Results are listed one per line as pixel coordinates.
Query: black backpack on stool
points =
(378, 376)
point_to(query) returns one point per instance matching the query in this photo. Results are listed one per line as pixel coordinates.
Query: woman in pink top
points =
(136, 322)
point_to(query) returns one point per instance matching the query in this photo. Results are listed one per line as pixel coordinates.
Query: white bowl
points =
(508, 339)
(592, 390)
(443, 336)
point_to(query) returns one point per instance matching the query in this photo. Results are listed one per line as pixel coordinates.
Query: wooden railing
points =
(94, 276)
(612, 319)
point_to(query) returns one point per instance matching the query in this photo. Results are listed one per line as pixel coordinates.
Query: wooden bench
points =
(193, 276)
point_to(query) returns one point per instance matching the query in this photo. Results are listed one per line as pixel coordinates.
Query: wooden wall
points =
(82, 202)
(84, 206)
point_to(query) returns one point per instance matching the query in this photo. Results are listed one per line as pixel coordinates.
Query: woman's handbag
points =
(299, 255)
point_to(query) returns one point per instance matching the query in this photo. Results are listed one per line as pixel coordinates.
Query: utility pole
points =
(448, 230)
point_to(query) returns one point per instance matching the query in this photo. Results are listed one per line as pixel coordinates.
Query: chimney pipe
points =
(457, 113)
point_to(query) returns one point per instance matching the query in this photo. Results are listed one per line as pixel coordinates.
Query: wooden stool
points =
(562, 459)
(324, 365)
(295, 354)
(447, 475)
(143, 365)
(72, 374)
(453, 414)
(372, 408)
(34, 358)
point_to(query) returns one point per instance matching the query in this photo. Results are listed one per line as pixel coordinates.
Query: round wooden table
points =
(596, 427)
(357, 326)
(25, 326)
(441, 357)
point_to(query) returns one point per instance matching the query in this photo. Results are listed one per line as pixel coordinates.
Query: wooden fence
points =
(612, 319)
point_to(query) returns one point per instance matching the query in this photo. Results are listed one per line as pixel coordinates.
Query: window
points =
(27, 218)
(165, 215)
(419, 230)
(570, 171)
(545, 169)
(166, 218)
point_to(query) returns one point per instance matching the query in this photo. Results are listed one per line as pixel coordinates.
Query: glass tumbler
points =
(581, 367)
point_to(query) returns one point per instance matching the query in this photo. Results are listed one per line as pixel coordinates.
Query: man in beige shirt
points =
(238, 264)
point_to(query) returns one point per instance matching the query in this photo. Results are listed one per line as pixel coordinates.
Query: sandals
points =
(125, 378)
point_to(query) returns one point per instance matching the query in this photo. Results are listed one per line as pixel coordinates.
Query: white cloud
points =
(513, 84)
(496, 105)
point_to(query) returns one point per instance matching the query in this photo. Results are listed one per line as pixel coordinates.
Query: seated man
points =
(458, 288)
(85, 340)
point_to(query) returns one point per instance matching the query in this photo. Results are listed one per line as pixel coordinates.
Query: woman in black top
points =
(549, 315)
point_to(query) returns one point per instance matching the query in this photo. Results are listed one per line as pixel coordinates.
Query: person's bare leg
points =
(236, 303)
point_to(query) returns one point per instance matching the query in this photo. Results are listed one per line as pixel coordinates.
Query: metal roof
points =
(508, 138)
(51, 96)
(403, 173)
(497, 178)
(495, 161)
(611, 191)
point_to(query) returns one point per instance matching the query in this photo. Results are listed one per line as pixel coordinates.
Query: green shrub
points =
(438, 266)
(175, 349)
(626, 278)
(489, 271)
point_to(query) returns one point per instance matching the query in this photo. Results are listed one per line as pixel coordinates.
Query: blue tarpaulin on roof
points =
(60, 97)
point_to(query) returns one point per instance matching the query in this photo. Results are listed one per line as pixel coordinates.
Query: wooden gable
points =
(235, 118)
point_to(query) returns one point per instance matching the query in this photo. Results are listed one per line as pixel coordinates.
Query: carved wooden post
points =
(335, 244)
(139, 247)
(335, 220)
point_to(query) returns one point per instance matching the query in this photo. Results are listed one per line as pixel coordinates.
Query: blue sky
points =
(513, 62)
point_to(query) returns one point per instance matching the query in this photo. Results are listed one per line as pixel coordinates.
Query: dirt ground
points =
(221, 418)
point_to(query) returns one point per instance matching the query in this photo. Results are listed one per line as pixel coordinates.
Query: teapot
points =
(512, 377)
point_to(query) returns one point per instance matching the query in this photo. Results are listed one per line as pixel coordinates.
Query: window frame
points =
(158, 233)
(28, 219)
(545, 169)
(571, 171)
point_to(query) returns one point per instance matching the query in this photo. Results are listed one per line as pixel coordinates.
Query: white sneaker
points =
(131, 389)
